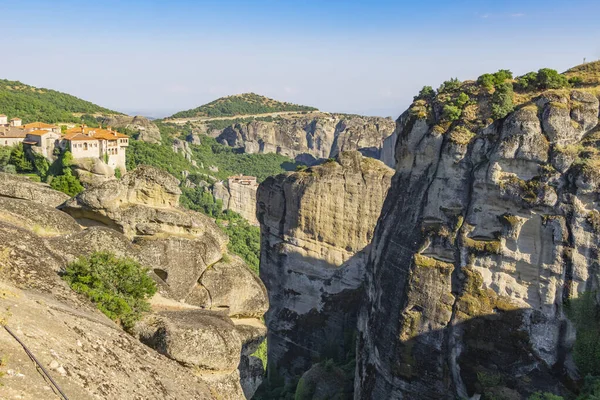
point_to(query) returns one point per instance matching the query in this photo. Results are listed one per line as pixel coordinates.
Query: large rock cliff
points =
(489, 229)
(237, 197)
(309, 137)
(146, 130)
(315, 225)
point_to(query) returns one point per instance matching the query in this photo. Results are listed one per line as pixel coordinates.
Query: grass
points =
(461, 135)
(261, 353)
(429, 262)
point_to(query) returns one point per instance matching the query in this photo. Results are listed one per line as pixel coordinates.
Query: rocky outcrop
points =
(315, 226)
(20, 187)
(238, 198)
(146, 130)
(310, 137)
(487, 231)
(92, 171)
(138, 217)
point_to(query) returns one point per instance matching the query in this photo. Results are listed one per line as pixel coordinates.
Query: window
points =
(85, 146)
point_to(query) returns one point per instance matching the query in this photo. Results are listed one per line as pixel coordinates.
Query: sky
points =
(366, 57)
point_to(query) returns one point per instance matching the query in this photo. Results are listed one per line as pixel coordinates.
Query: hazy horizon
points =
(155, 58)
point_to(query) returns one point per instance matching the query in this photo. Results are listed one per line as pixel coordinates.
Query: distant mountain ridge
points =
(241, 104)
(39, 104)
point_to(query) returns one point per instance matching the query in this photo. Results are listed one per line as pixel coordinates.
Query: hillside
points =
(241, 104)
(38, 104)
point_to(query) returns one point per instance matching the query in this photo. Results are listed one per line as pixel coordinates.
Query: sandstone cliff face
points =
(201, 292)
(315, 225)
(484, 235)
(238, 198)
(147, 130)
(311, 137)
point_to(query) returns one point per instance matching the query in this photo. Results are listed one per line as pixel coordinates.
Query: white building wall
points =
(3, 120)
(78, 148)
(10, 141)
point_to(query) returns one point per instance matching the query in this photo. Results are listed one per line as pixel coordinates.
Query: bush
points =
(449, 86)
(118, 173)
(576, 81)
(9, 169)
(67, 184)
(544, 396)
(120, 287)
(41, 165)
(550, 79)
(244, 240)
(426, 93)
(489, 81)
(502, 100)
(462, 100)
(585, 314)
(544, 79)
(451, 113)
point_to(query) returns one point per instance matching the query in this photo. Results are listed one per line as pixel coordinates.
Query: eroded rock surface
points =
(20, 187)
(486, 231)
(315, 225)
(311, 137)
(136, 217)
(145, 129)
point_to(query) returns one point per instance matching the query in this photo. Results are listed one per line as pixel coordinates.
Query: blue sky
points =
(158, 57)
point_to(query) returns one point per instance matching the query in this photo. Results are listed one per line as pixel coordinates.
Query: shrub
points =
(502, 100)
(449, 86)
(67, 184)
(527, 82)
(118, 173)
(426, 93)
(489, 81)
(462, 100)
(451, 113)
(550, 79)
(261, 353)
(585, 314)
(575, 81)
(120, 287)
(9, 169)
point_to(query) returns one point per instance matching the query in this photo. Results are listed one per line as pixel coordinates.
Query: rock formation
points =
(92, 171)
(238, 197)
(315, 227)
(489, 227)
(204, 294)
(309, 137)
(20, 187)
(146, 130)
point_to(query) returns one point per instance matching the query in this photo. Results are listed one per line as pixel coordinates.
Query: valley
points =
(252, 248)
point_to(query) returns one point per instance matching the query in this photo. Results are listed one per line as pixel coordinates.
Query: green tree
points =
(19, 159)
(426, 93)
(67, 184)
(449, 85)
(502, 100)
(41, 165)
(120, 287)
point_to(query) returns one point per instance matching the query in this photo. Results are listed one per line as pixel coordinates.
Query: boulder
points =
(205, 340)
(21, 187)
(232, 286)
(38, 218)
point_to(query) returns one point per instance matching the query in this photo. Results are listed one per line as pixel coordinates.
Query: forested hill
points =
(241, 104)
(37, 104)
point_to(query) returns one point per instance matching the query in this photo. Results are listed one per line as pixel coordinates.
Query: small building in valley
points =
(242, 180)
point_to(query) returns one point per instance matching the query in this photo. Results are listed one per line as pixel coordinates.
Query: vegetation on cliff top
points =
(18, 100)
(241, 104)
(120, 287)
